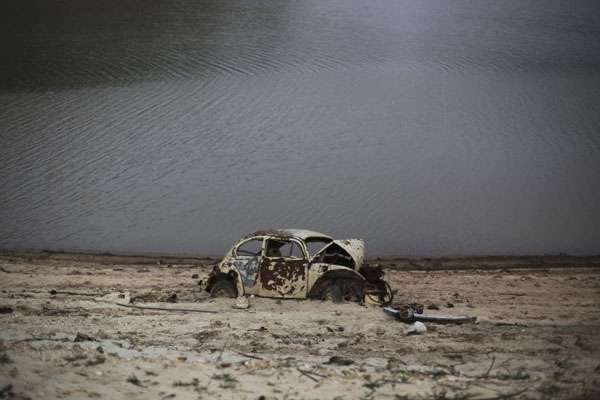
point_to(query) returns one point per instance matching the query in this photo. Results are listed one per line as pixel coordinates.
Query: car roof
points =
(302, 234)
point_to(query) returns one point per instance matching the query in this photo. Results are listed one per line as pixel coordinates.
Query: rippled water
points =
(426, 127)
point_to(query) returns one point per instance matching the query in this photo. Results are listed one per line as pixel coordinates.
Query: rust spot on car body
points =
(284, 277)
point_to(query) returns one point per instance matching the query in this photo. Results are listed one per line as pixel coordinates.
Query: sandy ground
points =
(537, 335)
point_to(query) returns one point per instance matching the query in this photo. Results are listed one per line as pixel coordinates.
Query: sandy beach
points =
(63, 335)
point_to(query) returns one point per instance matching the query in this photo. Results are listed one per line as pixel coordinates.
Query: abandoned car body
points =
(298, 264)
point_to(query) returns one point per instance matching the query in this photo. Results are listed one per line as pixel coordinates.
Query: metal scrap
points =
(409, 315)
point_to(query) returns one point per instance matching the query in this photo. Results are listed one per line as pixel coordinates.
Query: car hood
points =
(354, 247)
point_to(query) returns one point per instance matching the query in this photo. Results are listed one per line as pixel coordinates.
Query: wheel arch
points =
(333, 274)
(230, 274)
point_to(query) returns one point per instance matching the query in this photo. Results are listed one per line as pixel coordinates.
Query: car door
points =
(246, 259)
(283, 269)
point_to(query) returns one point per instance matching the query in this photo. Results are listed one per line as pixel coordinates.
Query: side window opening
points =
(251, 248)
(283, 249)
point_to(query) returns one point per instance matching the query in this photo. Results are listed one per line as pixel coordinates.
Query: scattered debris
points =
(444, 319)
(183, 310)
(6, 310)
(519, 375)
(249, 355)
(5, 359)
(337, 360)
(75, 357)
(241, 303)
(82, 337)
(54, 292)
(134, 380)
(6, 391)
(96, 361)
(511, 324)
(307, 374)
(416, 328)
(194, 382)
(171, 298)
(116, 297)
(407, 314)
(227, 381)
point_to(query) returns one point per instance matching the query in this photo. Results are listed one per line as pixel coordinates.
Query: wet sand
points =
(537, 334)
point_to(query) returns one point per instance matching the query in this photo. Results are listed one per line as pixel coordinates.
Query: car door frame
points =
(283, 277)
(249, 286)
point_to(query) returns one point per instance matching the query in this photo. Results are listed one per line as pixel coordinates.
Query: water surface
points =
(425, 127)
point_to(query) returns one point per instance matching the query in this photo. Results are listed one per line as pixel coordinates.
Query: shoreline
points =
(394, 263)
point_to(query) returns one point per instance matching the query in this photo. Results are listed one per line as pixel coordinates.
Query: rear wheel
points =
(223, 288)
(333, 292)
(343, 290)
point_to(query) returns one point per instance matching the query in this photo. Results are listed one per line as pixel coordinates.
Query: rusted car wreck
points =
(298, 264)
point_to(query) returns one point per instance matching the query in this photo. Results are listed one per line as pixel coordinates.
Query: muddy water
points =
(424, 127)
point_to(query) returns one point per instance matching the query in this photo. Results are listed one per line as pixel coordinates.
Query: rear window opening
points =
(316, 244)
(334, 254)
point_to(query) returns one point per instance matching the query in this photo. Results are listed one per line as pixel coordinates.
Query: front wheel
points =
(223, 288)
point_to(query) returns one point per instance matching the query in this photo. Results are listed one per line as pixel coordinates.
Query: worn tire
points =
(223, 288)
(333, 292)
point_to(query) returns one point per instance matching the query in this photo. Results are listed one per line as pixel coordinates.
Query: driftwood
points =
(249, 355)
(184, 310)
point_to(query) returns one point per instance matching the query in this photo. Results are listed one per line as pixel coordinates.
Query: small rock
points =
(5, 359)
(134, 380)
(195, 276)
(96, 361)
(241, 303)
(172, 298)
(117, 297)
(449, 305)
(597, 369)
(433, 307)
(82, 337)
(100, 350)
(6, 391)
(337, 360)
(416, 328)
(6, 310)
